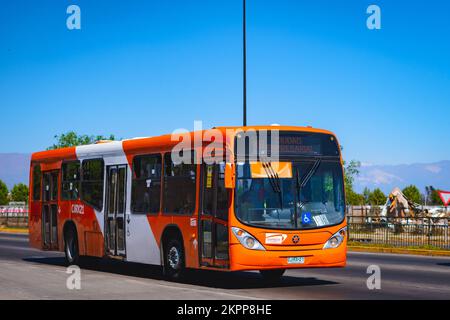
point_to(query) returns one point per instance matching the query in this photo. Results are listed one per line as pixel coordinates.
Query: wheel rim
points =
(69, 249)
(174, 258)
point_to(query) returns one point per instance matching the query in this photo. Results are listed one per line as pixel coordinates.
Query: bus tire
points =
(273, 275)
(174, 263)
(71, 246)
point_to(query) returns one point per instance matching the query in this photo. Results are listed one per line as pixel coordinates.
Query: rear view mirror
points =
(229, 176)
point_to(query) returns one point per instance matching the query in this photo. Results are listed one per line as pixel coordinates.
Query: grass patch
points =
(389, 246)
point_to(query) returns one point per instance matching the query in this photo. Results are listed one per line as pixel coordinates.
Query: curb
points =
(14, 231)
(422, 252)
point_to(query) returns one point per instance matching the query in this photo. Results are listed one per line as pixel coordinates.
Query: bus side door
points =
(115, 210)
(213, 217)
(50, 209)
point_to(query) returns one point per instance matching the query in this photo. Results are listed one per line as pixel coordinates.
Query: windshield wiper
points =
(274, 180)
(273, 176)
(300, 183)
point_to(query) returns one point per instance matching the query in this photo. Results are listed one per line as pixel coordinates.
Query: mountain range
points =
(386, 177)
(14, 169)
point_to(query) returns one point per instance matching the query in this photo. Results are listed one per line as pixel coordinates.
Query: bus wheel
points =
(272, 275)
(173, 259)
(71, 246)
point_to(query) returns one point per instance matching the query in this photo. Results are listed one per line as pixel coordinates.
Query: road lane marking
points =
(6, 247)
(15, 239)
(397, 255)
(398, 267)
(101, 276)
(178, 287)
(344, 279)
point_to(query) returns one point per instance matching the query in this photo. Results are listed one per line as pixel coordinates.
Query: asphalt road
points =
(27, 273)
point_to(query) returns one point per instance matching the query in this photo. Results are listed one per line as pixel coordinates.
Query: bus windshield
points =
(311, 197)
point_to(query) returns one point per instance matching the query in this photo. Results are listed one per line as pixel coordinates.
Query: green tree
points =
(71, 139)
(412, 193)
(19, 193)
(436, 199)
(351, 170)
(366, 194)
(433, 197)
(377, 197)
(354, 199)
(3, 193)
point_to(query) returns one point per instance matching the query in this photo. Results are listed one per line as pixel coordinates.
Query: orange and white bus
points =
(129, 200)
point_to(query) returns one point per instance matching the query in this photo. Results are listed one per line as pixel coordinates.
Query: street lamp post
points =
(244, 66)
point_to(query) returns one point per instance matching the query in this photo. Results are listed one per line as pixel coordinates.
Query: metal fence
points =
(400, 232)
(365, 225)
(14, 216)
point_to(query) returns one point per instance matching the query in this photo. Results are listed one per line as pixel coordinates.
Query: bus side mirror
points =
(229, 176)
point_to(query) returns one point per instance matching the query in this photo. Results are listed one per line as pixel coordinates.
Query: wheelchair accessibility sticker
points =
(306, 218)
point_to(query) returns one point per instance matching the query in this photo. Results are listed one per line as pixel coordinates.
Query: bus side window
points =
(222, 193)
(92, 179)
(70, 180)
(179, 186)
(215, 195)
(146, 187)
(37, 176)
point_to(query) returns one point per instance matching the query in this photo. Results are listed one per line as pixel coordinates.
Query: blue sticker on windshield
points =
(306, 218)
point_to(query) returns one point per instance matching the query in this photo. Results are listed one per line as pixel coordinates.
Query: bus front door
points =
(115, 210)
(213, 218)
(50, 210)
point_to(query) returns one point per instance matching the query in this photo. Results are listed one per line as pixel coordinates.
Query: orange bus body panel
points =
(91, 236)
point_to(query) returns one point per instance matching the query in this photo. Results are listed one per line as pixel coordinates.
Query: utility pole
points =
(244, 67)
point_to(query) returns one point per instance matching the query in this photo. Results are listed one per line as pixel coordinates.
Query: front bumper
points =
(245, 259)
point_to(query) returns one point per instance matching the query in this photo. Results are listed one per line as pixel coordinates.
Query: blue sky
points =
(140, 68)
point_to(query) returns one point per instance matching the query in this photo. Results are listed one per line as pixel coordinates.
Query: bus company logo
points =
(77, 209)
(275, 238)
(295, 239)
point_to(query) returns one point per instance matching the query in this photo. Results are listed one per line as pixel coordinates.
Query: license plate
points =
(297, 260)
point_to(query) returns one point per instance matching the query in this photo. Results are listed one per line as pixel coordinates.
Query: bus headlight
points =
(246, 239)
(336, 239)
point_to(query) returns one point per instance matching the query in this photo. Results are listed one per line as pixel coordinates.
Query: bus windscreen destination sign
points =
(292, 143)
(296, 145)
(307, 144)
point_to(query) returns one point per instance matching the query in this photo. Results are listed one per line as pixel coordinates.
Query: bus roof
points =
(146, 144)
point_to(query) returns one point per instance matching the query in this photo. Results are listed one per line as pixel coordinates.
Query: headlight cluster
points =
(246, 239)
(336, 239)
